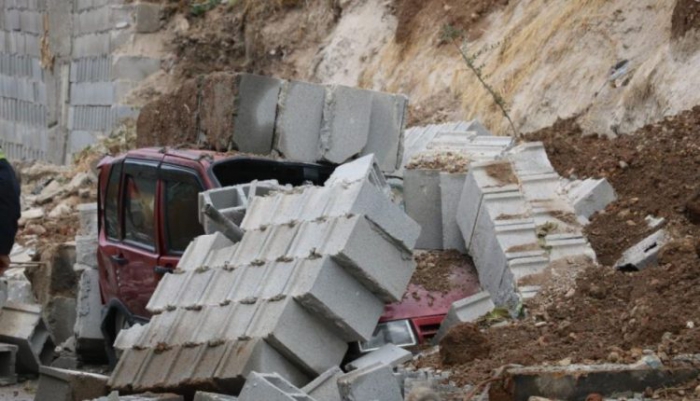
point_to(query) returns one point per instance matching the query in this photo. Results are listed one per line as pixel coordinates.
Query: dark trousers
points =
(10, 210)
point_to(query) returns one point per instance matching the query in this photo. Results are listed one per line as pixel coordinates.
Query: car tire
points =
(116, 320)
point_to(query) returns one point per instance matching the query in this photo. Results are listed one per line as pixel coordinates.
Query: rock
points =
(80, 180)
(692, 209)
(34, 229)
(30, 215)
(422, 394)
(50, 192)
(61, 210)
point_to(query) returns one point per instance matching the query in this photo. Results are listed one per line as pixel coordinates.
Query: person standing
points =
(10, 210)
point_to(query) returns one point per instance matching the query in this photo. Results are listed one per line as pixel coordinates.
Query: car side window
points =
(112, 226)
(139, 209)
(181, 214)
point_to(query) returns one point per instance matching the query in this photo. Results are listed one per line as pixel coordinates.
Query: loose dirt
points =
(434, 268)
(686, 17)
(463, 344)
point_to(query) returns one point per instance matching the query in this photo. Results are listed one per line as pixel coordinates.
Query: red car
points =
(148, 216)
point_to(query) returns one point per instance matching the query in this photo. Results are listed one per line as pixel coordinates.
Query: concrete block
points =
(566, 245)
(270, 387)
(133, 68)
(325, 386)
(87, 213)
(376, 382)
(364, 168)
(203, 396)
(66, 385)
(148, 17)
(530, 158)
(299, 119)
(387, 122)
(423, 204)
(346, 123)
(529, 265)
(60, 317)
(88, 336)
(114, 396)
(91, 21)
(389, 354)
(451, 186)
(92, 45)
(86, 250)
(23, 326)
(592, 196)
(643, 254)
(127, 338)
(469, 309)
(92, 94)
(8, 357)
(197, 250)
(18, 291)
(529, 292)
(255, 111)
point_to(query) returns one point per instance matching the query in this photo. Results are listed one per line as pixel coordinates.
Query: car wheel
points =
(120, 321)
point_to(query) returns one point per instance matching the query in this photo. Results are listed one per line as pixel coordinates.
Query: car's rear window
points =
(242, 171)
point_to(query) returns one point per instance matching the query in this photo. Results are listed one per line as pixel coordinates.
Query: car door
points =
(179, 212)
(136, 257)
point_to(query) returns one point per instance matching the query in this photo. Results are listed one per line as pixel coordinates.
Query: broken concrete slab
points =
(204, 396)
(299, 120)
(346, 123)
(376, 382)
(576, 382)
(451, 186)
(8, 358)
(325, 386)
(423, 204)
(469, 309)
(591, 196)
(643, 254)
(89, 339)
(387, 122)
(363, 168)
(114, 396)
(66, 385)
(389, 354)
(23, 326)
(271, 387)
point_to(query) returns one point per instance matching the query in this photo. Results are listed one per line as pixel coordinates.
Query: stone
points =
(66, 385)
(298, 125)
(148, 17)
(270, 387)
(388, 354)
(62, 209)
(325, 386)
(31, 215)
(376, 382)
(423, 204)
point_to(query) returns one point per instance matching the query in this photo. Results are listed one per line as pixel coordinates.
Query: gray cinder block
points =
(8, 357)
(364, 168)
(592, 196)
(450, 192)
(423, 204)
(87, 213)
(88, 336)
(86, 250)
(67, 385)
(346, 123)
(325, 386)
(148, 17)
(388, 354)
(376, 382)
(23, 326)
(255, 111)
(197, 250)
(133, 68)
(298, 126)
(643, 254)
(271, 387)
(387, 122)
(469, 309)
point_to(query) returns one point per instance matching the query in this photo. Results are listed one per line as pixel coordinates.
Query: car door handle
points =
(163, 270)
(120, 260)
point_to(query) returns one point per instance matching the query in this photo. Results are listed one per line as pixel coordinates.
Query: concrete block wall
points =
(286, 299)
(61, 86)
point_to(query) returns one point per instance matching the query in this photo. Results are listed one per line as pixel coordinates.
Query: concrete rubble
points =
(23, 326)
(66, 385)
(643, 254)
(312, 272)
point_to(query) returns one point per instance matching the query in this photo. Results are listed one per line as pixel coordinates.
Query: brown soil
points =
(502, 172)
(434, 268)
(449, 162)
(463, 344)
(170, 120)
(467, 15)
(686, 17)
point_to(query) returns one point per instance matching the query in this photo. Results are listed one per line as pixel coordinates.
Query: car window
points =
(181, 215)
(139, 210)
(112, 225)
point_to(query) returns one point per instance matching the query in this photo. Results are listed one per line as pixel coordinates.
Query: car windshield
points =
(236, 171)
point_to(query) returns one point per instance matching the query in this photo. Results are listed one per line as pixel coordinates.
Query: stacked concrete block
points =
(591, 196)
(376, 382)
(388, 117)
(299, 120)
(8, 358)
(23, 326)
(66, 385)
(467, 310)
(345, 127)
(325, 386)
(232, 202)
(271, 387)
(304, 281)
(88, 336)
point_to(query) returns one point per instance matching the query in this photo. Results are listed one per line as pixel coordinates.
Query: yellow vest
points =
(2, 155)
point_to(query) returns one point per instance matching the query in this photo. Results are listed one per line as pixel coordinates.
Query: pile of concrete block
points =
(22, 325)
(298, 121)
(89, 341)
(311, 273)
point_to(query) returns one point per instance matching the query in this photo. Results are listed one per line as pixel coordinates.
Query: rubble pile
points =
(311, 273)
